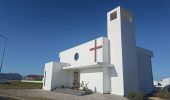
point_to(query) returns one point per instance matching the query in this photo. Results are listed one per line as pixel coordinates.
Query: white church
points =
(112, 64)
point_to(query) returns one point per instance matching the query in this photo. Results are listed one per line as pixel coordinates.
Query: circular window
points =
(76, 56)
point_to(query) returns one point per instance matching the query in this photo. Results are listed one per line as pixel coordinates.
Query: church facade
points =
(112, 64)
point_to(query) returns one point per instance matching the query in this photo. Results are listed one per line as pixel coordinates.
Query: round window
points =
(76, 56)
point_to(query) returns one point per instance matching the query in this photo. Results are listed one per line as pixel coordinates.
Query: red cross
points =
(95, 49)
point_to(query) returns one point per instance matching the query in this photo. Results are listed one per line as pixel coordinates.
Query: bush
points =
(62, 86)
(135, 95)
(163, 93)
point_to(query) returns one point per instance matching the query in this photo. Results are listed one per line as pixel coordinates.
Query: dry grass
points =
(12, 96)
(20, 85)
(163, 93)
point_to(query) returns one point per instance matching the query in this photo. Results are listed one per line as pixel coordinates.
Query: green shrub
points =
(163, 93)
(135, 95)
(62, 86)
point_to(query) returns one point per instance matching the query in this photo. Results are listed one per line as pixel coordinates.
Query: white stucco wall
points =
(122, 52)
(47, 76)
(94, 78)
(56, 76)
(86, 57)
(114, 35)
(145, 70)
(130, 67)
(70, 76)
(107, 78)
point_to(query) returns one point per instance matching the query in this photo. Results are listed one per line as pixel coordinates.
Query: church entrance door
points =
(76, 76)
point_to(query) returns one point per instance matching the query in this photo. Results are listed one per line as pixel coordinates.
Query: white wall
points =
(122, 52)
(70, 78)
(145, 72)
(105, 69)
(114, 35)
(93, 76)
(59, 76)
(106, 79)
(56, 76)
(145, 69)
(106, 51)
(47, 76)
(86, 57)
(130, 67)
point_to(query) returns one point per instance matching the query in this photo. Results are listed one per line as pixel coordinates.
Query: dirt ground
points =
(17, 90)
(39, 94)
(21, 94)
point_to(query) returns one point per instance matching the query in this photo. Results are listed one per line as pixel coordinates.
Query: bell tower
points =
(121, 33)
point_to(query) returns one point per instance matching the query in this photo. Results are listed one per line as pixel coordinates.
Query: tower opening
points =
(113, 16)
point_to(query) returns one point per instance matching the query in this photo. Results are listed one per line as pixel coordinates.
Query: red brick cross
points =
(95, 49)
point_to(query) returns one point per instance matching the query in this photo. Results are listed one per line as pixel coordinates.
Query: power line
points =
(3, 51)
(4, 37)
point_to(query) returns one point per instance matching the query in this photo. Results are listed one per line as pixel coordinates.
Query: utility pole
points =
(3, 51)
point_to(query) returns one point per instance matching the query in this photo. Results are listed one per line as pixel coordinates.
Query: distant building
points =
(10, 76)
(33, 77)
(162, 83)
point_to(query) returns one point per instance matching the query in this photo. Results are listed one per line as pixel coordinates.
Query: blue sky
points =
(39, 29)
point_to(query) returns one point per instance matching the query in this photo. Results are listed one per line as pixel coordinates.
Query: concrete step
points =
(74, 92)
